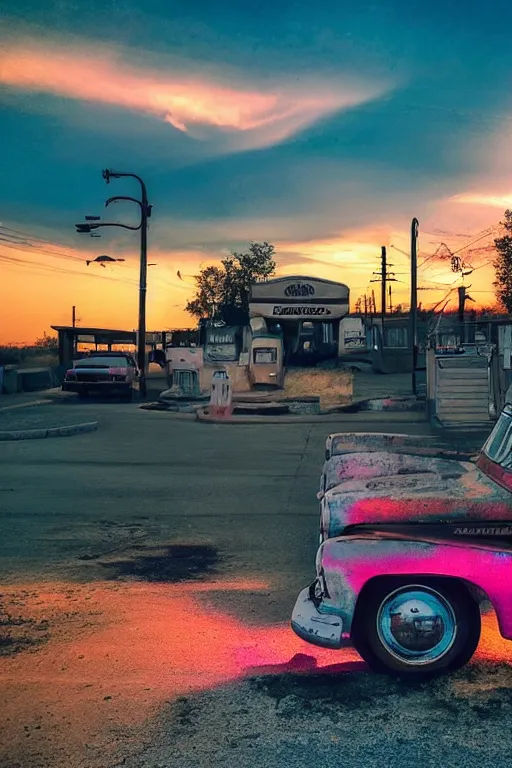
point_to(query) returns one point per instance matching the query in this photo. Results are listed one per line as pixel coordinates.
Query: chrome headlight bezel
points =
(320, 584)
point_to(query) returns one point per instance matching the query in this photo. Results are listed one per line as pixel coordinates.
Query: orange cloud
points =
(87, 72)
(494, 201)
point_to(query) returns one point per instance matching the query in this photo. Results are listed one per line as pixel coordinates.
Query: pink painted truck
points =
(413, 539)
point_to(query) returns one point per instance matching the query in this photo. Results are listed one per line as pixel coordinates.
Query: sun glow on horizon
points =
(40, 288)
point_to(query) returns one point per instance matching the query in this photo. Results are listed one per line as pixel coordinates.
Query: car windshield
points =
(498, 447)
(103, 362)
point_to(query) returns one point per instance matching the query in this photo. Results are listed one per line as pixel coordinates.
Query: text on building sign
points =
(221, 339)
(280, 310)
(299, 290)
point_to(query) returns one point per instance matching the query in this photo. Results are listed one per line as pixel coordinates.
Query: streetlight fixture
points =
(92, 222)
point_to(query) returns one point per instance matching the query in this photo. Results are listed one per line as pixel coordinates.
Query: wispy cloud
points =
(494, 201)
(247, 115)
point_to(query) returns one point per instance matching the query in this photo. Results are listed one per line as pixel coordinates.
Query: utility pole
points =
(373, 303)
(463, 297)
(414, 301)
(390, 302)
(73, 317)
(383, 276)
(145, 210)
(365, 305)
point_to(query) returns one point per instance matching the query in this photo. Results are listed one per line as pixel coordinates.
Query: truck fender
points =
(351, 563)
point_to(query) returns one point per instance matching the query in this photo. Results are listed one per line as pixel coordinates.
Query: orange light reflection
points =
(117, 652)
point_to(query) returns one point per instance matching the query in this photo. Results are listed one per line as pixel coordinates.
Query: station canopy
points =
(299, 298)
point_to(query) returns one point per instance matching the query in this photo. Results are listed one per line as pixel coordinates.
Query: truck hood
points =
(357, 466)
(424, 491)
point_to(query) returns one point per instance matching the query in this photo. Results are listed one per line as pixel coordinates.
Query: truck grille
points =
(91, 377)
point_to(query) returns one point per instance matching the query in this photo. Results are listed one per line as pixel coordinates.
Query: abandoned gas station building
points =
(305, 311)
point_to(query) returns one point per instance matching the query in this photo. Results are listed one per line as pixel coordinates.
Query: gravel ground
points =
(39, 417)
(352, 718)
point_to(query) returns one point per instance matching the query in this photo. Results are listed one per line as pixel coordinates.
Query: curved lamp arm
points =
(115, 224)
(122, 197)
(108, 174)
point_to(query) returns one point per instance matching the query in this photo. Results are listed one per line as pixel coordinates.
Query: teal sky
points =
(349, 114)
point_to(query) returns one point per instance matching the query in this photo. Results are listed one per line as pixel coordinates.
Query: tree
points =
(209, 292)
(503, 264)
(223, 293)
(47, 342)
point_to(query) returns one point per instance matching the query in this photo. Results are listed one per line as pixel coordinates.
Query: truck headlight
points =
(320, 585)
(318, 561)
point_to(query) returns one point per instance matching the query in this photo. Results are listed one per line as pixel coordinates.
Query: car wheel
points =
(417, 629)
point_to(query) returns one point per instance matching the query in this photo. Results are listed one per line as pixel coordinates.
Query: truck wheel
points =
(416, 628)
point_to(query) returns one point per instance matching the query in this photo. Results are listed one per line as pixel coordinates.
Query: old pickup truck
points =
(413, 540)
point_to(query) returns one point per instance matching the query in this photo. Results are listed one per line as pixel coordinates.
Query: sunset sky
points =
(320, 127)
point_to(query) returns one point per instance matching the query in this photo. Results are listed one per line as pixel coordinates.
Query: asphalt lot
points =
(148, 572)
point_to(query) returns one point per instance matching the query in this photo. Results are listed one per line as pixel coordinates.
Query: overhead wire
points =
(60, 270)
(16, 239)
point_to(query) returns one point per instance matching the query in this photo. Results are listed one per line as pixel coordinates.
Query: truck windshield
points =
(498, 447)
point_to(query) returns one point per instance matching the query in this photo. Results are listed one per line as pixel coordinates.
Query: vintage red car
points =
(103, 373)
(413, 540)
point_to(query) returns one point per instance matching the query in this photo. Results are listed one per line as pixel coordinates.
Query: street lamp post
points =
(145, 210)
(414, 302)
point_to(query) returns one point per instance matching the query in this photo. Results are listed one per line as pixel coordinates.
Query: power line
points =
(484, 233)
(17, 232)
(17, 245)
(23, 238)
(433, 309)
(60, 270)
(487, 232)
(34, 249)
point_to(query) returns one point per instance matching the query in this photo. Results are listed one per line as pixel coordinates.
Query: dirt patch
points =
(332, 386)
(17, 634)
(171, 564)
(116, 653)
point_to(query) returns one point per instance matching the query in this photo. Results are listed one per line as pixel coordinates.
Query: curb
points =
(38, 434)
(171, 414)
(30, 404)
(324, 418)
(47, 397)
(382, 405)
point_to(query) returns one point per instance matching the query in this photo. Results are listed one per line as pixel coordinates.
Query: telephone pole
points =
(383, 276)
(463, 297)
(390, 302)
(73, 317)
